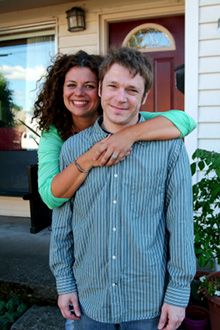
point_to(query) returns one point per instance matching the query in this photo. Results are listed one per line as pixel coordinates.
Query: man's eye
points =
(134, 91)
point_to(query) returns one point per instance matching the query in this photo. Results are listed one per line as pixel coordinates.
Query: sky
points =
(23, 66)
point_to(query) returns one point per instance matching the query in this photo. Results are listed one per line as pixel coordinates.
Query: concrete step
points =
(40, 318)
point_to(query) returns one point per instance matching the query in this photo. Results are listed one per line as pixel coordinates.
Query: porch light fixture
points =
(76, 19)
(218, 26)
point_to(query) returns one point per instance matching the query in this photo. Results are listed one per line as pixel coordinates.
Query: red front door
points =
(163, 95)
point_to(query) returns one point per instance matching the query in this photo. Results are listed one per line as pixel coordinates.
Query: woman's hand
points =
(117, 145)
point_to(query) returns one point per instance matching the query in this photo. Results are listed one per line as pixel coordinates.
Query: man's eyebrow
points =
(127, 87)
(112, 82)
(85, 82)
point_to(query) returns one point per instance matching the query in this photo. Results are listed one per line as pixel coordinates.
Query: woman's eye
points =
(71, 85)
(90, 87)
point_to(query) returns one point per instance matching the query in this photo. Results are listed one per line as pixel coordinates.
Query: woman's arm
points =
(66, 183)
(48, 166)
(57, 187)
(177, 118)
(157, 126)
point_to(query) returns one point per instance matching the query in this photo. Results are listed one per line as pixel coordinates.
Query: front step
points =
(40, 318)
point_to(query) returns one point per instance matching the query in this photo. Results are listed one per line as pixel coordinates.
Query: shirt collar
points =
(99, 130)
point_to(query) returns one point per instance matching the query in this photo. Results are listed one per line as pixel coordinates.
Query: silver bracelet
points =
(79, 168)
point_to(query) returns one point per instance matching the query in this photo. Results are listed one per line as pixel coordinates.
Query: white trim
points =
(14, 206)
(154, 26)
(23, 31)
(191, 69)
(131, 12)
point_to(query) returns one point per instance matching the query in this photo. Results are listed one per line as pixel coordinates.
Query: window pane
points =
(22, 63)
(149, 39)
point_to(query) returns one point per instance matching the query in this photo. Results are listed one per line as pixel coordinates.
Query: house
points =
(33, 31)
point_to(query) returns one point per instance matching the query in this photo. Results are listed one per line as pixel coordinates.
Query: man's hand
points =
(64, 301)
(171, 317)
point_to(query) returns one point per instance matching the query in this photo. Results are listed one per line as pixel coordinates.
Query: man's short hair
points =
(133, 60)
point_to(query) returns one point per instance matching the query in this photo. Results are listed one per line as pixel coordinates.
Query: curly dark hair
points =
(49, 109)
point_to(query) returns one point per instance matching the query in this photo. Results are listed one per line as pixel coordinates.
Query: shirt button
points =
(114, 202)
(114, 229)
(114, 284)
(114, 257)
(115, 175)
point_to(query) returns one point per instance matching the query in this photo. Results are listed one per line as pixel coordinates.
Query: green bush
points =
(10, 311)
(206, 202)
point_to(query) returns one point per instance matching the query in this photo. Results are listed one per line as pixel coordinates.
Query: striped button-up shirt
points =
(125, 241)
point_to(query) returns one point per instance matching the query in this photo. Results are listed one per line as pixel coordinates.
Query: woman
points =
(67, 104)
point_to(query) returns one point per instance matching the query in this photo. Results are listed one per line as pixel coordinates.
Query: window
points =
(25, 53)
(150, 38)
(22, 62)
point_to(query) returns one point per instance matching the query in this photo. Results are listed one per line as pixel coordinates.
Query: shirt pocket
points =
(147, 194)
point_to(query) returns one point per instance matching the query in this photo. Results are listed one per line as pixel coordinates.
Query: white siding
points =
(209, 81)
(207, 66)
(209, 48)
(208, 31)
(209, 2)
(211, 128)
(209, 114)
(209, 144)
(209, 13)
(209, 76)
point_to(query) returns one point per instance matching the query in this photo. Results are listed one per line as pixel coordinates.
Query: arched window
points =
(150, 38)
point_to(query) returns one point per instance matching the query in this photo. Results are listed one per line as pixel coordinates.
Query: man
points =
(122, 248)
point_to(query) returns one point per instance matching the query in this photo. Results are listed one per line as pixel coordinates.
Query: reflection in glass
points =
(22, 63)
(148, 39)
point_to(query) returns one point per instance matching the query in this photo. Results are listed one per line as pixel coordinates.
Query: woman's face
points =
(80, 92)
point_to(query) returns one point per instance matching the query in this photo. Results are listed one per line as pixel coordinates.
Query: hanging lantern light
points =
(76, 19)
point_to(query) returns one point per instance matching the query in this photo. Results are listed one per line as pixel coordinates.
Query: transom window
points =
(150, 38)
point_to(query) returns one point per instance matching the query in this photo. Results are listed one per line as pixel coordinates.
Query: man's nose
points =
(121, 95)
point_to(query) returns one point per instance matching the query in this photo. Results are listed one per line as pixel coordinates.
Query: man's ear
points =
(100, 89)
(145, 98)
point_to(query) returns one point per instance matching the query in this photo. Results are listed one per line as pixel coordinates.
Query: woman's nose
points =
(79, 90)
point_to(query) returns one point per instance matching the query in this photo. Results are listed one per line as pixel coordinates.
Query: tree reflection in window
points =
(22, 62)
(150, 37)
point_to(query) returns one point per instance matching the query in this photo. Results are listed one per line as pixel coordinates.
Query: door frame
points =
(131, 12)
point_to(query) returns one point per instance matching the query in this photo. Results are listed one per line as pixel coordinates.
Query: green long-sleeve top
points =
(51, 143)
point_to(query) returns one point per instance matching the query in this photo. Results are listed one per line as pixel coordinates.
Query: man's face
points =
(121, 97)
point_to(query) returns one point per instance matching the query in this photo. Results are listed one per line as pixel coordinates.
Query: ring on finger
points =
(114, 157)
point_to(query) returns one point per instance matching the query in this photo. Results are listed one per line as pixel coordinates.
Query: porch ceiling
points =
(15, 5)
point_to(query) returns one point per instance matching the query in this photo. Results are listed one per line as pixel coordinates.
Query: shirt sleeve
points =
(181, 265)
(180, 119)
(62, 243)
(61, 249)
(48, 166)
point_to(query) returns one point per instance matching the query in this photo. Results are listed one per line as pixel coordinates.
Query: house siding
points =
(209, 76)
